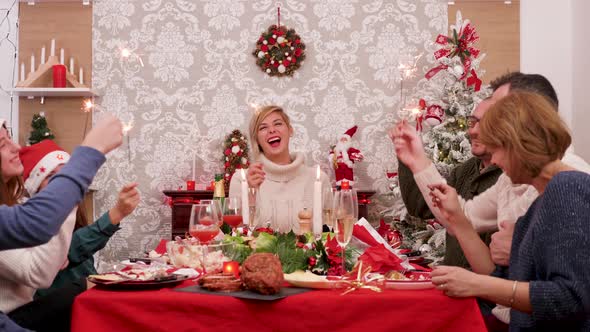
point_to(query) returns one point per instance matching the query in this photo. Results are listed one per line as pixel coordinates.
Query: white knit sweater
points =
(23, 271)
(293, 182)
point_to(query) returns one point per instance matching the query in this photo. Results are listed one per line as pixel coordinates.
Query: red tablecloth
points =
(320, 310)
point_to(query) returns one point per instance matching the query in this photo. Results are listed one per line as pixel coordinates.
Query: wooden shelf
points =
(54, 92)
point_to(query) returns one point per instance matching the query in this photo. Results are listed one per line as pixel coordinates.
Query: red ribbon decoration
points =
(279, 17)
(430, 74)
(474, 80)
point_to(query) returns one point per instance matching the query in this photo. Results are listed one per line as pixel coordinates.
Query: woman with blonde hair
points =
(279, 175)
(548, 282)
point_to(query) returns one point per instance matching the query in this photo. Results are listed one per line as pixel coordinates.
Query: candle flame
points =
(318, 173)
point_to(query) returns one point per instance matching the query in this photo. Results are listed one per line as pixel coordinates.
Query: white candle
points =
(317, 204)
(245, 203)
(22, 72)
(32, 63)
(43, 55)
(72, 66)
(81, 76)
(52, 47)
(194, 167)
(62, 56)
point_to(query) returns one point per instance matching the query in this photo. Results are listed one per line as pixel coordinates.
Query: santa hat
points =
(39, 160)
(350, 132)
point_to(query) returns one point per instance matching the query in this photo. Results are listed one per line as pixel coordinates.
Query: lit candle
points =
(245, 203)
(231, 267)
(81, 76)
(52, 47)
(43, 55)
(32, 63)
(22, 72)
(62, 55)
(72, 65)
(317, 204)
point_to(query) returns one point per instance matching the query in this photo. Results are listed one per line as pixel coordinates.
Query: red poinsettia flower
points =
(271, 41)
(293, 59)
(276, 64)
(227, 152)
(286, 63)
(297, 41)
(239, 153)
(298, 52)
(264, 48)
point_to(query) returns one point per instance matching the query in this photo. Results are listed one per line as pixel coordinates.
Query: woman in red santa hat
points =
(343, 157)
(23, 271)
(280, 176)
(43, 160)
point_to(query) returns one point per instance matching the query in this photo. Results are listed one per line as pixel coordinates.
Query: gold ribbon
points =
(362, 281)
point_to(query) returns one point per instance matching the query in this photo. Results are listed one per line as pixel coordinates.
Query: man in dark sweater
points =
(470, 179)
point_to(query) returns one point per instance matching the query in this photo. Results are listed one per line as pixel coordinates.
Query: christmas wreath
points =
(235, 154)
(279, 51)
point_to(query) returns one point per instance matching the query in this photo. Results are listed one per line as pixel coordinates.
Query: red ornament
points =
(271, 41)
(226, 164)
(297, 41)
(264, 48)
(298, 52)
(312, 261)
(239, 153)
(227, 152)
(286, 63)
(276, 64)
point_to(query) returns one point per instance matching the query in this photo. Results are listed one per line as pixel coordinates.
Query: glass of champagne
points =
(252, 209)
(232, 212)
(344, 212)
(327, 206)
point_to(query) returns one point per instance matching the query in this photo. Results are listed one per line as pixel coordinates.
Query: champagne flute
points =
(344, 212)
(232, 212)
(253, 209)
(327, 206)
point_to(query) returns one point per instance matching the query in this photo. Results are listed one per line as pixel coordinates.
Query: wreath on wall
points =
(235, 154)
(279, 51)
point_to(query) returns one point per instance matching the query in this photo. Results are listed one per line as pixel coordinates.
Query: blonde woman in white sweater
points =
(22, 271)
(279, 175)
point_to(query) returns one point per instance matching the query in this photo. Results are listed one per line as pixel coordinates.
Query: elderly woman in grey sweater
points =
(548, 281)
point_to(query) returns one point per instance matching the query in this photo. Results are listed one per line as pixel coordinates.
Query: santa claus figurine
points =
(343, 157)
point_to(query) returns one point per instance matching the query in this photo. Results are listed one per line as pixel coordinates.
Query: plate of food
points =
(306, 279)
(137, 278)
(408, 281)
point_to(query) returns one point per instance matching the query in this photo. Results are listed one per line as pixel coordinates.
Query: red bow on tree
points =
(474, 80)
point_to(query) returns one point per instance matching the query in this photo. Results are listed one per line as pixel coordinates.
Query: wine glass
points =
(216, 206)
(344, 212)
(204, 225)
(232, 212)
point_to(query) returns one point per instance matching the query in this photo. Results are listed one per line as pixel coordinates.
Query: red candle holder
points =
(231, 267)
(190, 185)
(59, 76)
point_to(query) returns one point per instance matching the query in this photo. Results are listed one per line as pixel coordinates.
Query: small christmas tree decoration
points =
(40, 130)
(235, 155)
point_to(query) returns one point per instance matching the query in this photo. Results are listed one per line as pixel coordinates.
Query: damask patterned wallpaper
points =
(198, 79)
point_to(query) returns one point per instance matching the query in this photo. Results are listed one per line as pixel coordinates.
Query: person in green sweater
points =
(41, 161)
(469, 178)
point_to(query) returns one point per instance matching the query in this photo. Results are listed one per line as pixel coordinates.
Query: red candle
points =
(190, 185)
(231, 267)
(59, 76)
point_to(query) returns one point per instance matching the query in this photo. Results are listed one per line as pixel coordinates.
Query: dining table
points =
(167, 309)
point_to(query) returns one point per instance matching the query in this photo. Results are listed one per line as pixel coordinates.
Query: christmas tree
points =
(450, 92)
(40, 130)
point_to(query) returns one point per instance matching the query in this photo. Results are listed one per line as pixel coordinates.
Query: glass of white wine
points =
(344, 212)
